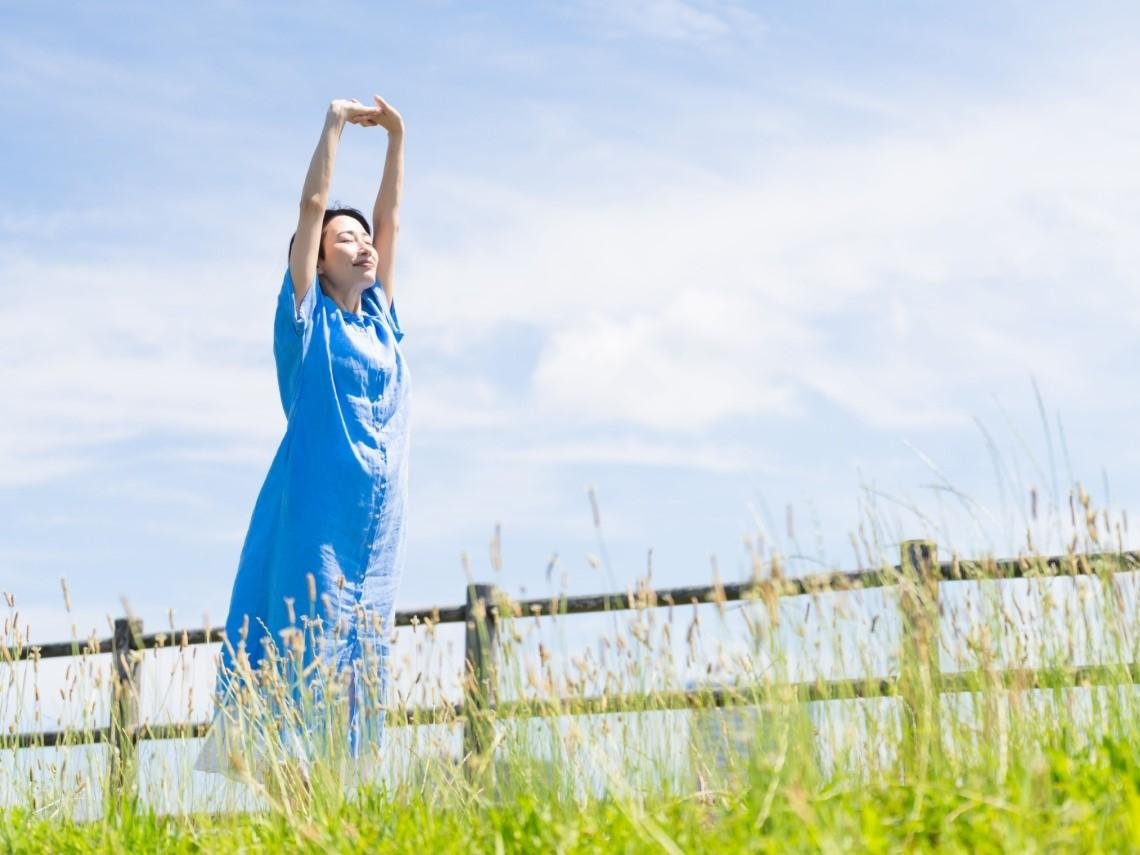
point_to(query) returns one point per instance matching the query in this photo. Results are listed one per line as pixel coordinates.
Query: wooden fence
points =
(918, 683)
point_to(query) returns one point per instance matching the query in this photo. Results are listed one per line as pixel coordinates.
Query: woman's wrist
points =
(334, 119)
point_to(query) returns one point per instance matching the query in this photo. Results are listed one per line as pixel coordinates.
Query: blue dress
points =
(318, 574)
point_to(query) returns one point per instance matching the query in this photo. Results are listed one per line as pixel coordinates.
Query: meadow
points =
(920, 702)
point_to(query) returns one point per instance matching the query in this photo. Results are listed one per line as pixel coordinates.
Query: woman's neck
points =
(347, 300)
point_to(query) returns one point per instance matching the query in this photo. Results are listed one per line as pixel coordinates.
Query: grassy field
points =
(1057, 794)
(1033, 746)
(1084, 799)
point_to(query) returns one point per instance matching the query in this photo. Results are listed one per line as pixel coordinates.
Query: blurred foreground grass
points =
(1029, 749)
(1072, 796)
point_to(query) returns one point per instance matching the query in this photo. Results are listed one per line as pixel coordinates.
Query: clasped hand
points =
(352, 111)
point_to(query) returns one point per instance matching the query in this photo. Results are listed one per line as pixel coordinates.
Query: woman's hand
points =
(388, 119)
(383, 114)
(350, 110)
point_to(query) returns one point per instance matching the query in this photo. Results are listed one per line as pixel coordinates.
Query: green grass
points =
(1004, 764)
(1066, 799)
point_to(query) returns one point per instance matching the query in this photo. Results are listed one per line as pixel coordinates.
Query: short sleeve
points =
(375, 301)
(289, 315)
(395, 321)
(292, 331)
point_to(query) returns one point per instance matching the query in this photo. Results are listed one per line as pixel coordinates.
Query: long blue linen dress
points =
(326, 538)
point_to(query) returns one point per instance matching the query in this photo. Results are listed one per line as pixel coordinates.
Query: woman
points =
(312, 604)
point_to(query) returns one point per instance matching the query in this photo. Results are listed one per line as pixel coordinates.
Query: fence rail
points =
(918, 575)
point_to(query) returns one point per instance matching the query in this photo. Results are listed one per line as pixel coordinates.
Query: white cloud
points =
(100, 355)
(443, 401)
(708, 456)
(903, 277)
(665, 368)
(673, 20)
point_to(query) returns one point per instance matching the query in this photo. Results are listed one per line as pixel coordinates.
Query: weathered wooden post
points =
(920, 667)
(481, 674)
(123, 784)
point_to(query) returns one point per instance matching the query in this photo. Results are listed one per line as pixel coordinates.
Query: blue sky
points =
(714, 259)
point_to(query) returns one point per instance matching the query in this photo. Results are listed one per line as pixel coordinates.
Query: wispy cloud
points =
(901, 277)
(108, 354)
(724, 457)
(904, 278)
(698, 21)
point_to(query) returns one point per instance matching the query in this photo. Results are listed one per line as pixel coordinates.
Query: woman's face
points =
(349, 257)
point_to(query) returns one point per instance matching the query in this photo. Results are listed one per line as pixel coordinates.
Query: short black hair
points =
(338, 210)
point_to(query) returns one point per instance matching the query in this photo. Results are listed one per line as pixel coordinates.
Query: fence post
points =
(481, 673)
(123, 783)
(919, 666)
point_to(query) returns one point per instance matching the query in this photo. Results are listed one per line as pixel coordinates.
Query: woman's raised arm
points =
(315, 194)
(386, 211)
